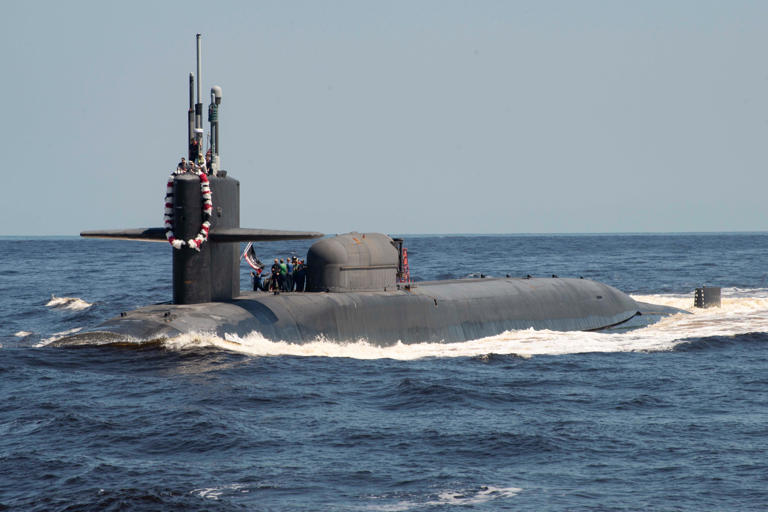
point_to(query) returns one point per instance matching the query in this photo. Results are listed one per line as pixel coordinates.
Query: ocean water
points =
(669, 416)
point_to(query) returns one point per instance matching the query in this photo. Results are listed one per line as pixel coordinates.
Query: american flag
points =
(250, 256)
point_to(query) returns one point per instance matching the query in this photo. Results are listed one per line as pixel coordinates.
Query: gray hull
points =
(440, 311)
(352, 280)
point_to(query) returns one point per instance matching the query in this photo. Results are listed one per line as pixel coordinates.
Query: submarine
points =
(358, 284)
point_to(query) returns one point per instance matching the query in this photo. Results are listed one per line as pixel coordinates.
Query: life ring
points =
(205, 190)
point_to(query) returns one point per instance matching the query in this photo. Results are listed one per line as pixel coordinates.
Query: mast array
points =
(195, 130)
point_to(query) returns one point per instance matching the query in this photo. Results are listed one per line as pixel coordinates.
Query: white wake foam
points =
(466, 498)
(478, 497)
(70, 303)
(214, 493)
(738, 315)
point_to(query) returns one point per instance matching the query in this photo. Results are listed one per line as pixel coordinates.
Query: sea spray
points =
(70, 303)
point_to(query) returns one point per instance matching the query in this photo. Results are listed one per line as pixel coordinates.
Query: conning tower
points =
(210, 271)
(213, 272)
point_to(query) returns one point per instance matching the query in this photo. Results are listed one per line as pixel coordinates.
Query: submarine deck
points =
(440, 311)
(436, 311)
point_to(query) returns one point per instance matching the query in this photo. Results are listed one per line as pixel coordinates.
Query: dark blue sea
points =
(672, 416)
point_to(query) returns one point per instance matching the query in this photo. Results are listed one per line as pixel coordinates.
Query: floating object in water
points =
(707, 297)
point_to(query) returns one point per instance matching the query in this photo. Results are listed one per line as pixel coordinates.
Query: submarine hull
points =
(439, 311)
(354, 280)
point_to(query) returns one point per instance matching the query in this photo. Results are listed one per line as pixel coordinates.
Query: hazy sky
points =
(400, 117)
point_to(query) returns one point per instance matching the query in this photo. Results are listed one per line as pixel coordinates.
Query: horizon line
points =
(462, 234)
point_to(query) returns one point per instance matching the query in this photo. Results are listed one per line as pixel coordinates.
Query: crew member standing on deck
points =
(274, 280)
(301, 273)
(283, 272)
(294, 276)
(289, 274)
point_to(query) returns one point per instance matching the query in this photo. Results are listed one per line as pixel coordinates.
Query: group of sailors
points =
(189, 165)
(286, 275)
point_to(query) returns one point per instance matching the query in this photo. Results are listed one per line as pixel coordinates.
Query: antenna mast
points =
(198, 106)
(191, 117)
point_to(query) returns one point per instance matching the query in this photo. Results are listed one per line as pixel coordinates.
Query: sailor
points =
(273, 281)
(200, 163)
(289, 274)
(256, 279)
(301, 273)
(194, 147)
(182, 165)
(282, 275)
(208, 161)
(295, 262)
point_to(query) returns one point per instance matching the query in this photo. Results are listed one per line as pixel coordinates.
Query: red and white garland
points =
(202, 235)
